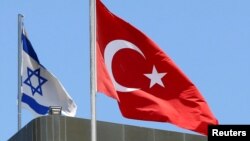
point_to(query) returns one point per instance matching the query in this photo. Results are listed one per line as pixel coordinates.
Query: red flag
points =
(144, 80)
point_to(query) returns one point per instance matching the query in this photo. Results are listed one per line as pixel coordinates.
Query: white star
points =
(155, 77)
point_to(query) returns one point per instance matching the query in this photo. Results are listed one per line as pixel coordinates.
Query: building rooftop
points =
(61, 128)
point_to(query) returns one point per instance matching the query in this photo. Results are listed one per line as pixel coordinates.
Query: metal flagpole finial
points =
(20, 15)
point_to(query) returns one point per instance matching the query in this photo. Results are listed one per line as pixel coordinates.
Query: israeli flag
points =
(40, 89)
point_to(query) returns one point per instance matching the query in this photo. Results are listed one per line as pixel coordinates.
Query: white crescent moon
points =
(111, 49)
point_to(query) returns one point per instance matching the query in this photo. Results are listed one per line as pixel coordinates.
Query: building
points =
(61, 128)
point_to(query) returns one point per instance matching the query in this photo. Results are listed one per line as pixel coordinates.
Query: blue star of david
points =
(35, 75)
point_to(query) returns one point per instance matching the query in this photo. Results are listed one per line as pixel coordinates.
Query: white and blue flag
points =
(40, 89)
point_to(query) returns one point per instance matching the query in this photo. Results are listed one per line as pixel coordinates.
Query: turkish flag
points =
(144, 80)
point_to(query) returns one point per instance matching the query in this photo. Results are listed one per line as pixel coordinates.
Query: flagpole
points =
(93, 67)
(19, 115)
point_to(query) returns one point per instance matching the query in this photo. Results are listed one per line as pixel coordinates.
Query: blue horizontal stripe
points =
(38, 108)
(27, 47)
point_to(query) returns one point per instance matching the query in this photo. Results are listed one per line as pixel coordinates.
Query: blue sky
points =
(208, 40)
